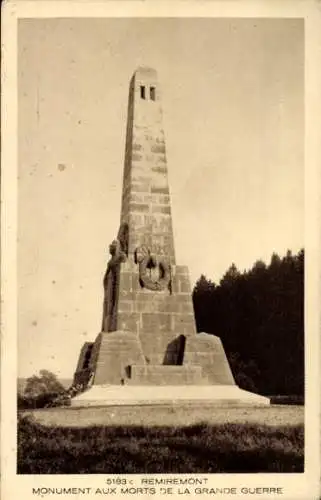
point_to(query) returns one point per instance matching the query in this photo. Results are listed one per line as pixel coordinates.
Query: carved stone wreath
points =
(146, 263)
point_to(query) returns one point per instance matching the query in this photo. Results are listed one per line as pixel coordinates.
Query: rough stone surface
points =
(207, 351)
(117, 352)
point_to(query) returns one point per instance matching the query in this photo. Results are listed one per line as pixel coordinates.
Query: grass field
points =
(242, 445)
(278, 415)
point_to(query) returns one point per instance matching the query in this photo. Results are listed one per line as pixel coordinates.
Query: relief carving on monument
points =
(147, 264)
(118, 250)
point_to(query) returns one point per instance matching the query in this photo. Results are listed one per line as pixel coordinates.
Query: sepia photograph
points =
(161, 253)
(177, 341)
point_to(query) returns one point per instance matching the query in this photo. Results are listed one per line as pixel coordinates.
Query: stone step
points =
(165, 375)
(190, 395)
(154, 359)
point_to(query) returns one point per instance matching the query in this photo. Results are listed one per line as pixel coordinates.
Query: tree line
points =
(259, 316)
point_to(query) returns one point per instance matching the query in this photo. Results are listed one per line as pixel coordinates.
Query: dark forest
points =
(259, 316)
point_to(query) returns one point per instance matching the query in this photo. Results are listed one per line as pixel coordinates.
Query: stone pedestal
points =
(155, 341)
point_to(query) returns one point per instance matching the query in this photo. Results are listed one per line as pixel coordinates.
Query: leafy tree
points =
(45, 383)
(41, 390)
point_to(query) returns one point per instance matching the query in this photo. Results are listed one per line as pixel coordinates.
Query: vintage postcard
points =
(161, 250)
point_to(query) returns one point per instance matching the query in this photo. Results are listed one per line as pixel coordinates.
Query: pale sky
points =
(233, 117)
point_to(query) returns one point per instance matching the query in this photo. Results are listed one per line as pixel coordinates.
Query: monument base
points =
(191, 395)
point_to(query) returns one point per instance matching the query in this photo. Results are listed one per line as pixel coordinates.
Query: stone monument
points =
(148, 350)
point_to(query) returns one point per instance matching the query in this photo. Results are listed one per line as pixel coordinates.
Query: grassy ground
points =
(207, 448)
(278, 415)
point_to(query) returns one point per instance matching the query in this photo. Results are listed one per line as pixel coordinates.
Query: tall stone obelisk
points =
(148, 336)
(145, 201)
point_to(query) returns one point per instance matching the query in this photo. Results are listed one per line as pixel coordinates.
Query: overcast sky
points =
(233, 117)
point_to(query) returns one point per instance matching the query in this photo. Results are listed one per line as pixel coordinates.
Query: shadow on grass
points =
(234, 448)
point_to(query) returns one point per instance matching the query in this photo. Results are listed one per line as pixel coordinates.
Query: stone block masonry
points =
(146, 200)
(145, 326)
(148, 335)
